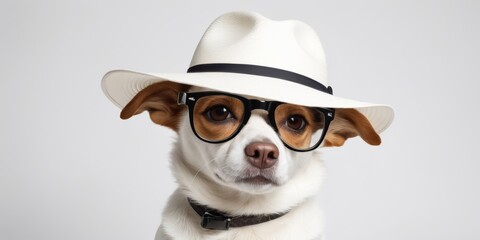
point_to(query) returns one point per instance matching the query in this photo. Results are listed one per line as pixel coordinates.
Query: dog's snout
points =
(262, 155)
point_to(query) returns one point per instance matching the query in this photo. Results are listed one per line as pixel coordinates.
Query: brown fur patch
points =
(299, 140)
(215, 131)
(160, 100)
(350, 123)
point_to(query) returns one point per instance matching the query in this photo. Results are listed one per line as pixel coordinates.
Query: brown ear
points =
(160, 100)
(350, 123)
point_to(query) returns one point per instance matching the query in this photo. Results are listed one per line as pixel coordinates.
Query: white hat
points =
(248, 54)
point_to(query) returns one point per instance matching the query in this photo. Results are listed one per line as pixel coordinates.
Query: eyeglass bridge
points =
(259, 104)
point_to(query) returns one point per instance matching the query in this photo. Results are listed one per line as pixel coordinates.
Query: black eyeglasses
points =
(217, 117)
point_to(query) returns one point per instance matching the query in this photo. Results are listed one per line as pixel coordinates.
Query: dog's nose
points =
(262, 155)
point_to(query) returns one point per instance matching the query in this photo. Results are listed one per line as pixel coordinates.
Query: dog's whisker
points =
(200, 169)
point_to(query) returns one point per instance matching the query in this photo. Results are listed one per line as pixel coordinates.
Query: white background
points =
(71, 169)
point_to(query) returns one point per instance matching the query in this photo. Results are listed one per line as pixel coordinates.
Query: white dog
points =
(246, 158)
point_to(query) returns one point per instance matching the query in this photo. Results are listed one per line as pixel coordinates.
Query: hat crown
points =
(250, 38)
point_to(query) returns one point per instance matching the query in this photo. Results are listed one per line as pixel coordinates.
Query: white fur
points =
(196, 165)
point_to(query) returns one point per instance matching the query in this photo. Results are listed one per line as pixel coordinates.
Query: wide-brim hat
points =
(248, 54)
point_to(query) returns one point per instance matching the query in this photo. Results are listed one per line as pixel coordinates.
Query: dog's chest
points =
(303, 222)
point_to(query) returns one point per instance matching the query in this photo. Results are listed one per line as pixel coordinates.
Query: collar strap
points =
(216, 220)
(261, 71)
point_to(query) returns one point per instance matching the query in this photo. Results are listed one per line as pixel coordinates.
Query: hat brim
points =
(120, 86)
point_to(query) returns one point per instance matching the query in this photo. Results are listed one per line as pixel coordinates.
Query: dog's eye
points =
(218, 113)
(296, 122)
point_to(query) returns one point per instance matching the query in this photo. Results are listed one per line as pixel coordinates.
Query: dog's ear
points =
(160, 100)
(350, 123)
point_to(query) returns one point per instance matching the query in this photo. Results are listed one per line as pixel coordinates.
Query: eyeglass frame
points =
(190, 99)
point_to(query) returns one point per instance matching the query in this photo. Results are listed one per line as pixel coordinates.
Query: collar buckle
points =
(215, 222)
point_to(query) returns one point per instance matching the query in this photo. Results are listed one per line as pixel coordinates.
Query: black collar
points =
(216, 220)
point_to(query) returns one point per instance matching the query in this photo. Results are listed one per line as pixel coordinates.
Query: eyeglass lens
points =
(218, 117)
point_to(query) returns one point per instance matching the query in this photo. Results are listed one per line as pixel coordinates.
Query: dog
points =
(251, 114)
(209, 173)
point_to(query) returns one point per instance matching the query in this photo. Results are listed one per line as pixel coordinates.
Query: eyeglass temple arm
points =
(182, 98)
